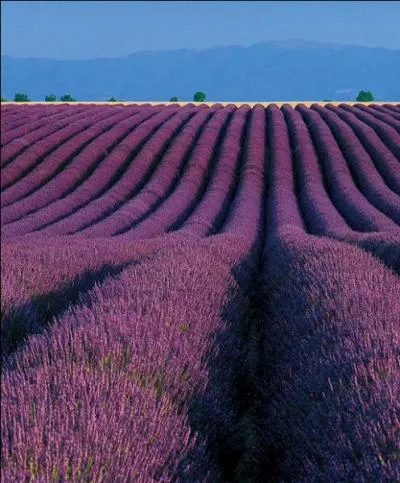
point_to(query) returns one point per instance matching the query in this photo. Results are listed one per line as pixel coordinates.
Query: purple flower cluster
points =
(138, 377)
(331, 368)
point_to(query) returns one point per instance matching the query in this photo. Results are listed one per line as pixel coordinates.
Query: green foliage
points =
(55, 474)
(173, 99)
(67, 98)
(106, 361)
(199, 97)
(3, 99)
(50, 98)
(20, 97)
(112, 99)
(33, 467)
(365, 96)
(327, 100)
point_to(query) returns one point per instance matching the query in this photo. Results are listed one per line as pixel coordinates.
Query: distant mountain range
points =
(269, 71)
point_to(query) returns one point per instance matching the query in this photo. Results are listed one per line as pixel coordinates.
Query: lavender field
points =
(200, 293)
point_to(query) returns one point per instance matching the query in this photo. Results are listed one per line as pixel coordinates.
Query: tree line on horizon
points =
(363, 96)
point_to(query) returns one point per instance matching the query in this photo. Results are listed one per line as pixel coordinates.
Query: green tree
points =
(3, 99)
(20, 97)
(199, 97)
(112, 99)
(173, 99)
(365, 96)
(50, 98)
(67, 98)
(327, 100)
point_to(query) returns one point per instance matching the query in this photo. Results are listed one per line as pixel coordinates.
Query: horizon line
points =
(211, 103)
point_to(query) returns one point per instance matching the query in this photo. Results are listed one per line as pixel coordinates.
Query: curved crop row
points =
(125, 214)
(31, 124)
(35, 154)
(201, 294)
(245, 215)
(362, 168)
(98, 147)
(32, 294)
(16, 117)
(157, 187)
(156, 133)
(348, 199)
(175, 415)
(17, 146)
(283, 209)
(88, 195)
(81, 191)
(388, 134)
(389, 110)
(320, 213)
(190, 185)
(331, 372)
(383, 116)
(384, 160)
(59, 159)
(394, 109)
(11, 120)
(204, 217)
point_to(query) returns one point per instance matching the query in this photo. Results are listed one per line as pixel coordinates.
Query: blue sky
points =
(85, 30)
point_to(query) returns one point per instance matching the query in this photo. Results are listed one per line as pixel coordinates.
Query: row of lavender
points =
(244, 222)
(143, 172)
(316, 365)
(137, 379)
(107, 408)
(161, 333)
(334, 346)
(326, 404)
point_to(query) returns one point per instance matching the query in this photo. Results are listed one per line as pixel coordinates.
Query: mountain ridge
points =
(260, 72)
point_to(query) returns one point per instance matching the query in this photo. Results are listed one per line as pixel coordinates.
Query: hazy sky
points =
(84, 30)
